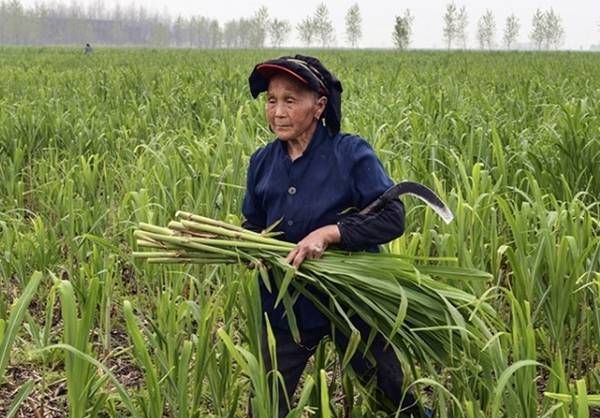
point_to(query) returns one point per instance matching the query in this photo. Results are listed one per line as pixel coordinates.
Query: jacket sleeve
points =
(367, 175)
(252, 227)
(360, 231)
(370, 180)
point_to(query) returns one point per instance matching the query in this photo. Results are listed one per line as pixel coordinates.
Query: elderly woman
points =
(306, 179)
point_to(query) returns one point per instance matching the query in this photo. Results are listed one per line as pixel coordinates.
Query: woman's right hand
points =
(314, 245)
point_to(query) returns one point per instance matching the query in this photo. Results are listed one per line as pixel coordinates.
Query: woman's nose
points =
(279, 110)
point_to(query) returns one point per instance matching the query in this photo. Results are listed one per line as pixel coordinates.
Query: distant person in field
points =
(88, 49)
(306, 178)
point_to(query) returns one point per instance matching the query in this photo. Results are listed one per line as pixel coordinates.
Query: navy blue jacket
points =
(333, 174)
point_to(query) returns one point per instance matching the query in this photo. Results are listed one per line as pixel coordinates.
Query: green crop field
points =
(90, 146)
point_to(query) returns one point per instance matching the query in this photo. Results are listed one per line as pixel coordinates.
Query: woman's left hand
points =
(314, 245)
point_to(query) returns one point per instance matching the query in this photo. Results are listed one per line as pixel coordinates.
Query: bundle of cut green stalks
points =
(425, 319)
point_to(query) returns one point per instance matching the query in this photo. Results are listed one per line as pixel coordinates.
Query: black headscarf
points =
(309, 71)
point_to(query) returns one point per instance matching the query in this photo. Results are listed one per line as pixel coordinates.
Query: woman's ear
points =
(321, 104)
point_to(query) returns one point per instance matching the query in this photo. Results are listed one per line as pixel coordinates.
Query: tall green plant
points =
(79, 318)
(9, 330)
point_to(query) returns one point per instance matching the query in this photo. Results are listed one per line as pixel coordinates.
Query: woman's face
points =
(292, 110)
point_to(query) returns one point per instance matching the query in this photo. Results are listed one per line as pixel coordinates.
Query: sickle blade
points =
(417, 190)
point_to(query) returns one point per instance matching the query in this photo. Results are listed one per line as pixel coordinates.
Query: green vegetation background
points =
(91, 145)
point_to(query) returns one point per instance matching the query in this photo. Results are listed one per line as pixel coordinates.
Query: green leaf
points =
(22, 394)
(15, 318)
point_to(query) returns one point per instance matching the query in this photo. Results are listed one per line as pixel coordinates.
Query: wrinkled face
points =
(292, 109)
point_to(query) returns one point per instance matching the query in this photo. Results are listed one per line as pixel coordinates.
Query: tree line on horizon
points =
(547, 31)
(136, 26)
(132, 25)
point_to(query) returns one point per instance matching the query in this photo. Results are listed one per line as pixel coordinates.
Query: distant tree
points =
(3, 22)
(306, 30)
(450, 24)
(159, 31)
(214, 34)
(554, 31)
(480, 35)
(230, 34)
(96, 9)
(237, 33)
(511, 31)
(130, 12)
(259, 26)
(278, 30)
(486, 30)
(14, 22)
(353, 25)
(246, 28)
(202, 32)
(538, 29)
(142, 14)
(323, 25)
(403, 30)
(547, 30)
(462, 21)
(179, 31)
(118, 34)
(192, 38)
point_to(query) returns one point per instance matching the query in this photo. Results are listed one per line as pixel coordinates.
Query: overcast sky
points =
(581, 18)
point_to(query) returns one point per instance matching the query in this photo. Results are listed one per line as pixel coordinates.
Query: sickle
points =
(415, 189)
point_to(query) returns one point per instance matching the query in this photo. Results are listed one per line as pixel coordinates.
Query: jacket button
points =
(290, 222)
(292, 190)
